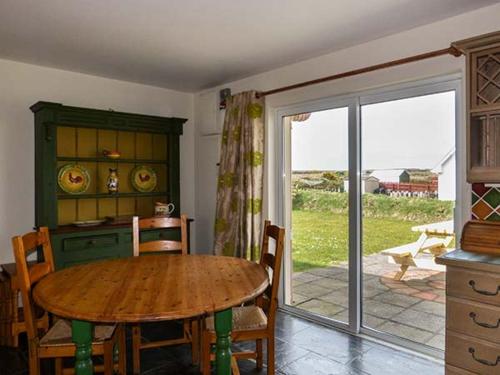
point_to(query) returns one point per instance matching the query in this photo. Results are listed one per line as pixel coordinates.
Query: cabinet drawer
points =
(90, 242)
(478, 356)
(479, 286)
(473, 319)
(451, 370)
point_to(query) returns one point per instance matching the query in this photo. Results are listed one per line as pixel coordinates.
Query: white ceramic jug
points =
(164, 209)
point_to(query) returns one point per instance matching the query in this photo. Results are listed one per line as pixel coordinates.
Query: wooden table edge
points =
(152, 318)
(48, 306)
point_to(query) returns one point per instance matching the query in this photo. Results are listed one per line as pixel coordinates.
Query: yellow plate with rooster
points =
(73, 179)
(143, 178)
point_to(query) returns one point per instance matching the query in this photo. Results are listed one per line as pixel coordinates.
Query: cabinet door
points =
(485, 79)
(484, 147)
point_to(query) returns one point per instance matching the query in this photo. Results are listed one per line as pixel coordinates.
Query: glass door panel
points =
(408, 199)
(318, 197)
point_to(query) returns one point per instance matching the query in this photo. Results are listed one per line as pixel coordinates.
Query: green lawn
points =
(320, 238)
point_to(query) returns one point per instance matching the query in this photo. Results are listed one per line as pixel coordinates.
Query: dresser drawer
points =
(478, 356)
(473, 319)
(90, 242)
(451, 370)
(479, 286)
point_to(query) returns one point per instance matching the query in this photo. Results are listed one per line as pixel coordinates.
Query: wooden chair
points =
(56, 342)
(190, 327)
(253, 322)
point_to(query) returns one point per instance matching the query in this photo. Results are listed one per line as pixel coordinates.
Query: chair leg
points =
(270, 354)
(58, 362)
(136, 349)
(258, 350)
(205, 353)
(34, 361)
(235, 370)
(195, 341)
(108, 358)
(122, 354)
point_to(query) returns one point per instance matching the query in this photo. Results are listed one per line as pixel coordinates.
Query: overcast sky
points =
(408, 133)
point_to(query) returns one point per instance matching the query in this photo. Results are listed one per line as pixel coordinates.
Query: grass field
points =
(320, 238)
(320, 227)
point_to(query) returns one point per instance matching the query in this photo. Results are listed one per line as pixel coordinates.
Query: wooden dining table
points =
(151, 288)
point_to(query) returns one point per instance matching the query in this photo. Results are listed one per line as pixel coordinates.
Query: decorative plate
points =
(143, 178)
(73, 179)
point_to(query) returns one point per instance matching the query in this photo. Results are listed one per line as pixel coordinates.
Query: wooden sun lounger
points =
(406, 255)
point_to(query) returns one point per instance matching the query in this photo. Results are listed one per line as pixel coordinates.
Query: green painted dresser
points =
(72, 135)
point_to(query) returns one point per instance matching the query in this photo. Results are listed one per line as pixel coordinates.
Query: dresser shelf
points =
(116, 195)
(111, 161)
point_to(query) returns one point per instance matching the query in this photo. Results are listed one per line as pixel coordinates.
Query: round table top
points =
(150, 287)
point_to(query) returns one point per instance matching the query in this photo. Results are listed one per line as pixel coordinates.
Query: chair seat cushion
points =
(60, 333)
(245, 318)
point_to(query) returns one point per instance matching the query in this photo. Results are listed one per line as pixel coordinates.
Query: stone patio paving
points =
(413, 308)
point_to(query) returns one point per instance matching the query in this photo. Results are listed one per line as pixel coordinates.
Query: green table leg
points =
(223, 325)
(82, 337)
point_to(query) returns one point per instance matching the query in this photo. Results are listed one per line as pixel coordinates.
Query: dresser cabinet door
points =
(485, 80)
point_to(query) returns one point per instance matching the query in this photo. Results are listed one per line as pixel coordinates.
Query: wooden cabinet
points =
(472, 313)
(78, 136)
(483, 106)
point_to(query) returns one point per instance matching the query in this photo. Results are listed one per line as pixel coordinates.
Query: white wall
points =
(419, 40)
(446, 188)
(21, 85)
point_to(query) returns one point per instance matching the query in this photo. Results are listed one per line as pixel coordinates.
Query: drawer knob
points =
(91, 242)
(485, 362)
(472, 284)
(473, 315)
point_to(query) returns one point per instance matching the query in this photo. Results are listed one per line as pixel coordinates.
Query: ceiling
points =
(189, 45)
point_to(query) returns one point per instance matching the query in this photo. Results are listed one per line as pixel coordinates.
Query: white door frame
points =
(283, 188)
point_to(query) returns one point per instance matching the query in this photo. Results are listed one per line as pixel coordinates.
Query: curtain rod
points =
(446, 51)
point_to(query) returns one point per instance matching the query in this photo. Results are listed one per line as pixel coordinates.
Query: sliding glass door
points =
(408, 199)
(367, 197)
(319, 215)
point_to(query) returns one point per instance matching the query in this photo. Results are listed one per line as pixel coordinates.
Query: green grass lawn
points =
(320, 238)
(320, 228)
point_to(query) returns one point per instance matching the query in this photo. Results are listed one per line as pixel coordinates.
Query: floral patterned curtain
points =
(240, 183)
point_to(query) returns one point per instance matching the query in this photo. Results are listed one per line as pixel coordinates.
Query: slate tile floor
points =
(302, 348)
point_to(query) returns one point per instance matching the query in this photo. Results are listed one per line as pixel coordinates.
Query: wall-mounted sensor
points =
(224, 94)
